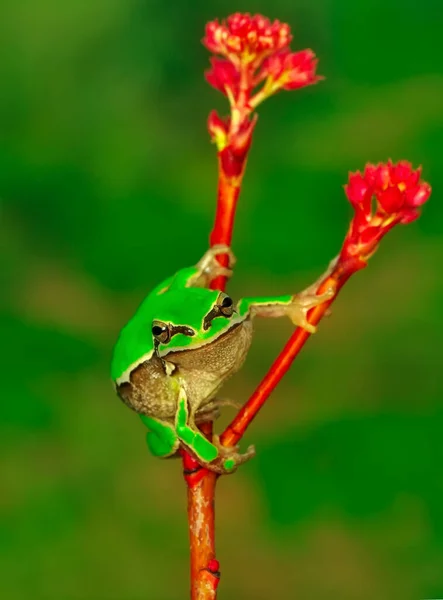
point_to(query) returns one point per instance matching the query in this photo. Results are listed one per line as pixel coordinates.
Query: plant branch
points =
(335, 280)
(233, 137)
(227, 196)
(396, 188)
(205, 574)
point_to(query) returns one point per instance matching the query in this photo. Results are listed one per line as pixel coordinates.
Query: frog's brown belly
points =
(201, 371)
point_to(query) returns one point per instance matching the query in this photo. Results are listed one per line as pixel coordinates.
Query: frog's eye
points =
(223, 308)
(226, 305)
(161, 332)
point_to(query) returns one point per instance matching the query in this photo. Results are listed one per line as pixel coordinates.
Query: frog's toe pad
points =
(230, 458)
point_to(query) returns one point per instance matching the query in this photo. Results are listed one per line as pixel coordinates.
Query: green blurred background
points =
(107, 186)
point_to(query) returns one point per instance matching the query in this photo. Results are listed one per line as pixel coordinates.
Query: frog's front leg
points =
(211, 410)
(208, 267)
(295, 306)
(212, 456)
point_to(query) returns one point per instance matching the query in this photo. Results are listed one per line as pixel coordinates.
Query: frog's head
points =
(168, 322)
(191, 318)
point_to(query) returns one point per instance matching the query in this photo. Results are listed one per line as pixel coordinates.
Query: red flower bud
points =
(213, 565)
(395, 186)
(218, 129)
(402, 172)
(369, 174)
(409, 215)
(246, 36)
(291, 70)
(358, 189)
(418, 195)
(398, 192)
(391, 200)
(223, 74)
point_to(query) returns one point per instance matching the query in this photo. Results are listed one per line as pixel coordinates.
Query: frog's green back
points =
(134, 340)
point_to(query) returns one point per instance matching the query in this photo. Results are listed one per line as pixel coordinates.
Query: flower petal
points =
(299, 69)
(357, 190)
(391, 200)
(223, 74)
(418, 195)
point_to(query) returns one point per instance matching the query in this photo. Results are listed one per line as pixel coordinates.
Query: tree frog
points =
(183, 342)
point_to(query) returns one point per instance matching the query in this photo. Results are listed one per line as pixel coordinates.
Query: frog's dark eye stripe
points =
(223, 308)
(163, 332)
(215, 312)
(182, 329)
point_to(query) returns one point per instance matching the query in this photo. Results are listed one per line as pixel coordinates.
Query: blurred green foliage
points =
(107, 183)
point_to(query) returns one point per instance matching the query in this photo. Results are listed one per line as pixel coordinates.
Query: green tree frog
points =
(183, 342)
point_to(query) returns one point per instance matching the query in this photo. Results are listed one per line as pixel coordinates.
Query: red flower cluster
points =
(255, 50)
(243, 37)
(398, 192)
(292, 70)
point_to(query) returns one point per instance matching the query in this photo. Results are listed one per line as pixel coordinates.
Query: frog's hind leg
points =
(161, 438)
(208, 454)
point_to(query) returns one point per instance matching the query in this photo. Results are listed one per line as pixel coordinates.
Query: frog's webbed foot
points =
(229, 458)
(302, 303)
(307, 299)
(209, 268)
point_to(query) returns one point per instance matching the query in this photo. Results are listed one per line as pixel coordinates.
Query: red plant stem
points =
(201, 483)
(201, 492)
(201, 523)
(227, 196)
(336, 279)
